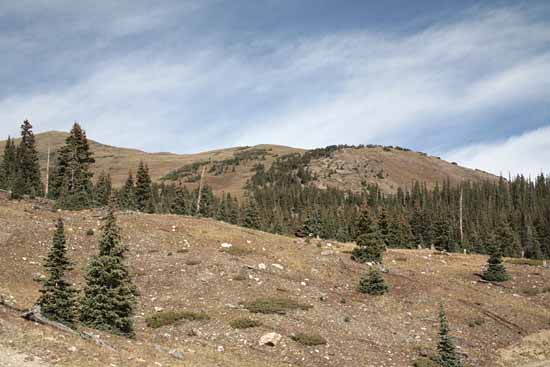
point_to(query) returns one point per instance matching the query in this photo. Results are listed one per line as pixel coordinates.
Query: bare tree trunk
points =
(461, 222)
(200, 189)
(47, 173)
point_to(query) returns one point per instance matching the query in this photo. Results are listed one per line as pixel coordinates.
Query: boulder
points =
(270, 339)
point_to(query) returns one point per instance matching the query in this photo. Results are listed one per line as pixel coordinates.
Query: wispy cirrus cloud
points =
(159, 80)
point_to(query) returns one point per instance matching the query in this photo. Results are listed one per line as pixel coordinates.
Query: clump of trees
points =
(109, 296)
(373, 283)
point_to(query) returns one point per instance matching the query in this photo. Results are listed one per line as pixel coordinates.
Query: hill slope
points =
(178, 264)
(227, 170)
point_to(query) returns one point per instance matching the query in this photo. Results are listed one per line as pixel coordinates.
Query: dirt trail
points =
(12, 358)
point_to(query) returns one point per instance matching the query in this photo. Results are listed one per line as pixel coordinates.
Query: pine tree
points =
(447, 354)
(71, 181)
(8, 167)
(179, 205)
(102, 190)
(373, 283)
(143, 190)
(109, 295)
(495, 272)
(58, 299)
(311, 227)
(126, 195)
(28, 177)
(370, 246)
(251, 216)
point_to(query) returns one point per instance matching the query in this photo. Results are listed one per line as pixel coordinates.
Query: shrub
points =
(90, 232)
(192, 262)
(244, 323)
(476, 322)
(373, 283)
(275, 306)
(163, 318)
(309, 339)
(425, 362)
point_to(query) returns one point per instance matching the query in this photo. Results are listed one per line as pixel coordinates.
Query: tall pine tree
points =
(58, 299)
(109, 295)
(143, 191)
(447, 354)
(27, 180)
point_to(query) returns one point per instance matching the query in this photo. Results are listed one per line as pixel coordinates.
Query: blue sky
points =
(466, 80)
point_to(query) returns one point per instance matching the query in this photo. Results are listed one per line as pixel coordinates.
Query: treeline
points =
(513, 214)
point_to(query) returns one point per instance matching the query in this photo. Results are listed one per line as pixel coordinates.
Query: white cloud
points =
(346, 87)
(527, 154)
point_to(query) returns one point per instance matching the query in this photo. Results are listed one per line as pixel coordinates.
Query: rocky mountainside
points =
(215, 275)
(227, 170)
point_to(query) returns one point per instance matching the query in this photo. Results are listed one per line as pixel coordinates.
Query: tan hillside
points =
(346, 168)
(178, 263)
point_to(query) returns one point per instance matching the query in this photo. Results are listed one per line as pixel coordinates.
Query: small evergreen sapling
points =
(58, 299)
(495, 272)
(373, 283)
(109, 295)
(447, 354)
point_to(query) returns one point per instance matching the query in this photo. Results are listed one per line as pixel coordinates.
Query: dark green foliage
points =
(311, 228)
(251, 216)
(373, 283)
(8, 166)
(103, 189)
(58, 299)
(71, 180)
(244, 323)
(27, 179)
(126, 195)
(109, 295)
(180, 203)
(495, 272)
(143, 190)
(370, 245)
(164, 318)
(309, 340)
(278, 306)
(447, 354)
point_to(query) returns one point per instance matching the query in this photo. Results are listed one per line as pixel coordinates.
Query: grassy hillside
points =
(227, 170)
(178, 264)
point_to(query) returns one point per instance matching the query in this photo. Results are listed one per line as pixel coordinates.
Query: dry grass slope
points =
(359, 330)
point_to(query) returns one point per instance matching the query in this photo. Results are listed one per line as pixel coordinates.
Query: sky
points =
(465, 80)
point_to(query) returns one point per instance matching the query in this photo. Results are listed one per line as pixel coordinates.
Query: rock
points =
(176, 353)
(226, 245)
(327, 253)
(72, 349)
(278, 266)
(221, 348)
(158, 309)
(270, 339)
(262, 266)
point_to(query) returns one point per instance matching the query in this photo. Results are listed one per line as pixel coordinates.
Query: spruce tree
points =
(126, 195)
(251, 216)
(143, 190)
(109, 295)
(8, 167)
(179, 205)
(495, 271)
(28, 177)
(58, 299)
(103, 189)
(447, 354)
(373, 283)
(72, 177)
(370, 245)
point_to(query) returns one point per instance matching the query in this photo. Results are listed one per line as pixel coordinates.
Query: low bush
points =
(518, 261)
(244, 323)
(274, 306)
(237, 251)
(309, 339)
(192, 262)
(164, 318)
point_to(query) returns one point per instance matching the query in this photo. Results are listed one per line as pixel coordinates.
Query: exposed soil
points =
(178, 263)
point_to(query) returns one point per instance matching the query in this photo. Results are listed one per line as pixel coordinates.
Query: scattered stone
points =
(221, 349)
(226, 245)
(278, 266)
(270, 339)
(176, 353)
(262, 266)
(327, 253)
